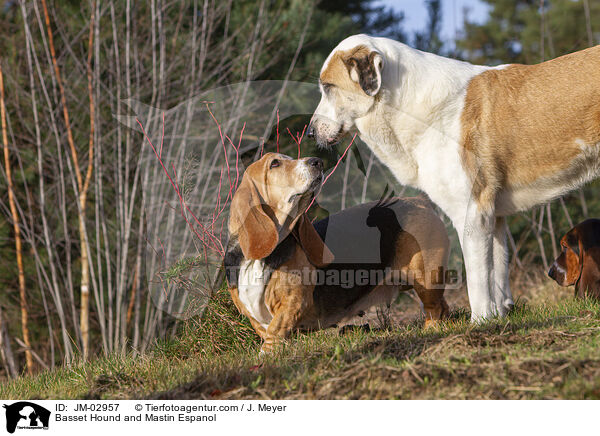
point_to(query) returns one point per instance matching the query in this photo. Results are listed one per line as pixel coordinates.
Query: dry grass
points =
(547, 348)
(537, 353)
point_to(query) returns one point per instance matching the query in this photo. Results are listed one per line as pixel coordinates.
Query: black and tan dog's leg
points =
(434, 304)
(429, 288)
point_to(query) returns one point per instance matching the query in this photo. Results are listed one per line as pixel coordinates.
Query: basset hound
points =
(286, 274)
(579, 261)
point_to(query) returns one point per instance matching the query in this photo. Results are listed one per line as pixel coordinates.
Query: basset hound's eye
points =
(274, 164)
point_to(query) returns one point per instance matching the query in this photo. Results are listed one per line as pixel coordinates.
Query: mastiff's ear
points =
(365, 69)
(315, 249)
(256, 231)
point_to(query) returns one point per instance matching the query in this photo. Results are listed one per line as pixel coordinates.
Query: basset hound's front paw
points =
(267, 347)
(432, 323)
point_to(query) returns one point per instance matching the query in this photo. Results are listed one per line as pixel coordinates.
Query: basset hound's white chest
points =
(252, 283)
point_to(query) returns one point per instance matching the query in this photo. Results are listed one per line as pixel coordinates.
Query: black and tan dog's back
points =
(286, 274)
(379, 250)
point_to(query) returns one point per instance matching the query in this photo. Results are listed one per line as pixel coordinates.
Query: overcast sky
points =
(416, 14)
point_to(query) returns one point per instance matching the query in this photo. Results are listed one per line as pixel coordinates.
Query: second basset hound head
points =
(579, 261)
(566, 269)
(270, 203)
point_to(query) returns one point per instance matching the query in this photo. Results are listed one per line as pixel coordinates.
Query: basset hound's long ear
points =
(365, 69)
(316, 251)
(256, 231)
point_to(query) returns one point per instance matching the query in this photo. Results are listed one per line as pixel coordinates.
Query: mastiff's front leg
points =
(501, 291)
(477, 247)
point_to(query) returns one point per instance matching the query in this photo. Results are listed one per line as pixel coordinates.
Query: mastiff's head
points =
(350, 82)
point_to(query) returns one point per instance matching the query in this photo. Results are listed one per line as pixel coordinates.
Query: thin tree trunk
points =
(131, 299)
(138, 289)
(584, 207)
(17, 230)
(6, 350)
(551, 230)
(513, 245)
(367, 174)
(82, 186)
(566, 212)
(345, 181)
(49, 245)
(537, 229)
(85, 276)
(542, 31)
(100, 217)
(588, 22)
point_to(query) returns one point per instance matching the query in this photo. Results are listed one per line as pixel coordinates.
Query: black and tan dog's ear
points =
(574, 260)
(316, 251)
(573, 242)
(365, 69)
(256, 231)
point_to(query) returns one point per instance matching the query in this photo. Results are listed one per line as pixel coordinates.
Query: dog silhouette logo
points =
(26, 415)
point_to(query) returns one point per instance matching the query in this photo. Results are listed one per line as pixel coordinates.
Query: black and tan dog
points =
(284, 277)
(578, 264)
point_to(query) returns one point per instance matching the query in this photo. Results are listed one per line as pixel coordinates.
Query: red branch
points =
(277, 130)
(217, 244)
(224, 148)
(208, 238)
(162, 139)
(333, 170)
(298, 138)
(237, 158)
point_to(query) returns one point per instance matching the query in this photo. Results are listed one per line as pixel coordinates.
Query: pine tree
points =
(430, 40)
(512, 33)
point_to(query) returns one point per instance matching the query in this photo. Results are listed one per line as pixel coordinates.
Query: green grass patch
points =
(543, 351)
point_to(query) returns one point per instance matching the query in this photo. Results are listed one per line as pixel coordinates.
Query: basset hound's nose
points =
(310, 132)
(315, 162)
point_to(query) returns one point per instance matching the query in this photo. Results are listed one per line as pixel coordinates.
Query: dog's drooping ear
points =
(316, 251)
(573, 242)
(365, 69)
(257, 233)
(575, 260)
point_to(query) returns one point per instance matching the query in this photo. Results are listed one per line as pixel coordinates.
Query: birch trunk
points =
(17, 230)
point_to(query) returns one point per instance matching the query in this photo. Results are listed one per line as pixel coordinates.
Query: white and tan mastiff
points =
(482, 142)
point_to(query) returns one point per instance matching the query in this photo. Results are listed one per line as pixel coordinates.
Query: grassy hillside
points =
(547, 348)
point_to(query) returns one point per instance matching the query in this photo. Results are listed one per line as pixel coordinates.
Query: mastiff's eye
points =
(274, 164)
(327, 87)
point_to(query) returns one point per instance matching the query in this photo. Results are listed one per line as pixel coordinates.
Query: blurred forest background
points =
(72, 227)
